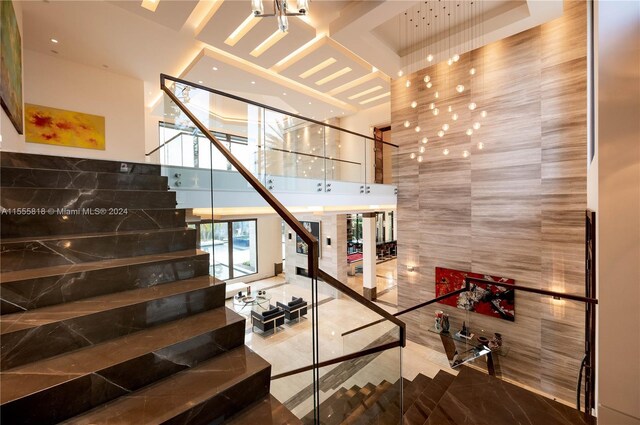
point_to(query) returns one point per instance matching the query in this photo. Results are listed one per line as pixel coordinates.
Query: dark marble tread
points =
(68, 179)
(50, 162)
(36, 288)
(50, 331)
(30, 253)
(428, 399)
(477, 398)
(268, 411)
(89, 266)
(413, 390)
(98, 374)
(209, 393)
(24, 226)
(61, 200)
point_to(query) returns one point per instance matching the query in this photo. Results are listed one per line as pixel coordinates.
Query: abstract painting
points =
(10, 65)
(491, 300)
(63, 128)
(314, 228)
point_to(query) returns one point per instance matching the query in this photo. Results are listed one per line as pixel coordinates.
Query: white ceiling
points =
(351, 40)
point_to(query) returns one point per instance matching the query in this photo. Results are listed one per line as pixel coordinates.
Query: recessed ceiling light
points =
(284, 94)
(215, 68)
(53, 40)
(253, 82)
(309, 103)
(199, 81)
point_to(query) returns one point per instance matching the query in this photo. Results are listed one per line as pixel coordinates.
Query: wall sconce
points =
(411, 268)
(290, 235)
(329, 241)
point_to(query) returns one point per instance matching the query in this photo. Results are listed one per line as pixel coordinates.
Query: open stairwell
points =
(109, 314)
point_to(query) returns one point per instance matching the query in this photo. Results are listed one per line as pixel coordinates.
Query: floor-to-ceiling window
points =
(232, 245)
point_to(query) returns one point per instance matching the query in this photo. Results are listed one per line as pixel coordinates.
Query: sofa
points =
(268, 319)
(294, 309)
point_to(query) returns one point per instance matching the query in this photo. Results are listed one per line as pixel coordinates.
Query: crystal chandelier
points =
(280, 11)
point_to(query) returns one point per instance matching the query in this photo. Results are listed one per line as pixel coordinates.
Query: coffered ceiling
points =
(336, 61)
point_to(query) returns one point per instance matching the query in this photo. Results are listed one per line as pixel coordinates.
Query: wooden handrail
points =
(415, 307)
(304, 234)
(562, 295)
(332, 281)
(271, 108)
(182, 133)
(365, 352)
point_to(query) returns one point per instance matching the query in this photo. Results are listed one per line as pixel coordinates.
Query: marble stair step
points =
(50, 331)
(21, 226)
(54, 389)
(68, 179)
(367, 407)
(428, 399)
(327, 406)
(475, 397)
(30, 289)
(50, 162)
(73, 201)
(413, 390)
(208, 393)
(30, 253)
(267, 411)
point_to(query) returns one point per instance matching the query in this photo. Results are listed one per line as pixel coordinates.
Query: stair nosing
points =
(231, 319)
(53, 309)
(89, 266)
(169, 382)
(93, 235)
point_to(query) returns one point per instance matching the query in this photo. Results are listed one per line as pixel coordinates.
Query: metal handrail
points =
(271, 108)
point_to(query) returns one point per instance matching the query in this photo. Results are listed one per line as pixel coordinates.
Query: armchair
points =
(268, 319)
(294, 309)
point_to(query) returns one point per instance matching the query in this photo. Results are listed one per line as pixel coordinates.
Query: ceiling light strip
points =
(242, 30)
(363, 93)
(373, 99)
(333, 76)
(268, 43)
(318, 68)
(299, 53)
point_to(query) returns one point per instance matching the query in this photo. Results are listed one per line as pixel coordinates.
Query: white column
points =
(369, 255)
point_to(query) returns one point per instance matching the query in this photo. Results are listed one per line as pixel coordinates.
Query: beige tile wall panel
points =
(514, 208)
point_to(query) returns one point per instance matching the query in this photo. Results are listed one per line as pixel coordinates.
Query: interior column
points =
(369, 255)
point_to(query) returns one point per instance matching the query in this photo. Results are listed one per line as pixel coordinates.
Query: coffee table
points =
(247, 303)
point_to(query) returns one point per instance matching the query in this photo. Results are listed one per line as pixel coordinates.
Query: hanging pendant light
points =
(280, 11)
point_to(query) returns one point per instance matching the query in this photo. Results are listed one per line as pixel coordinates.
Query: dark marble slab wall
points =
(514, 208)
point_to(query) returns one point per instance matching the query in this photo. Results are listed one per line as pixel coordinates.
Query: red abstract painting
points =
(491, 300)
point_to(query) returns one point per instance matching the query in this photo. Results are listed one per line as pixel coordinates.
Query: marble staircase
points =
(111, 316)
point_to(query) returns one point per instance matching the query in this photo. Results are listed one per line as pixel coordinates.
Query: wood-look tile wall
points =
(514, 208)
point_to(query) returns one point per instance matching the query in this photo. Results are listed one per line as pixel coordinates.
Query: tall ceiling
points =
(336, 61)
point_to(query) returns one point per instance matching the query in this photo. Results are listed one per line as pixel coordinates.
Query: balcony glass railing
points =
(281, 149)
(293, 325)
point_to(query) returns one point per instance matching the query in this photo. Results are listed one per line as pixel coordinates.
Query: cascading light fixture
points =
(451, 84)
(412, 156)
(417, 129)
(280, 11)
(407, 124)
(408, 84)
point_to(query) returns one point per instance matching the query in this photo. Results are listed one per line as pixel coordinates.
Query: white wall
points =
(9, 134)
(618, 210)
(58, 83)
(353, 147)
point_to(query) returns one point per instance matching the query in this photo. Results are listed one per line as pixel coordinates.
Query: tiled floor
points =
(386, 281)
(290, 347)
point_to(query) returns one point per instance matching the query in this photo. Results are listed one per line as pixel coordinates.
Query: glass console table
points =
(247, 303)
(460, 350)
